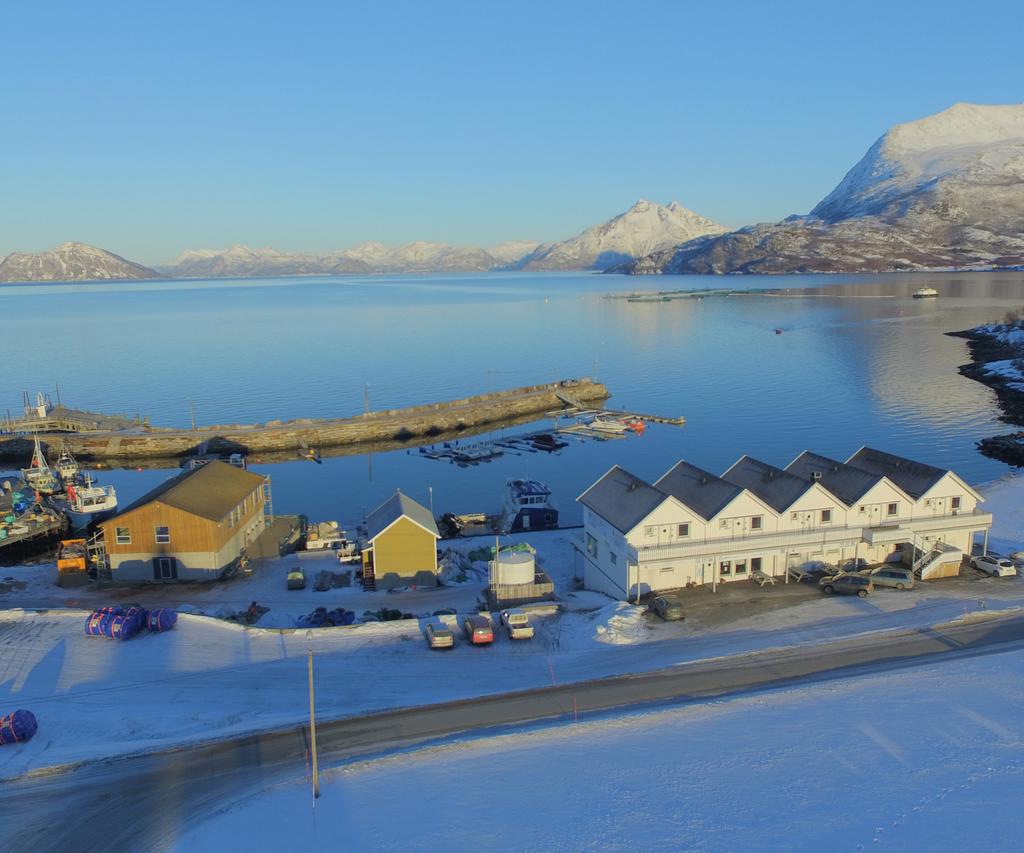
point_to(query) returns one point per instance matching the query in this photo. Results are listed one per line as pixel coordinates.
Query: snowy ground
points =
(925, 759)
(211, 678)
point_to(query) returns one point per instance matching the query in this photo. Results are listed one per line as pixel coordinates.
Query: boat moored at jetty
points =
(87, 503)
(527, 507)
(39, 475)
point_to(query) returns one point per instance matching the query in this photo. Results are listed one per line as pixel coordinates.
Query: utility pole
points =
(192, 411)
(312, 720)
(366, 399)
(430, 489)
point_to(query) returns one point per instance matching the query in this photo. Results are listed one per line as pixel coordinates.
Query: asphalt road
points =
(144, 802)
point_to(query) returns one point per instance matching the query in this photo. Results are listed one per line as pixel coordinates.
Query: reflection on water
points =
(844, 372)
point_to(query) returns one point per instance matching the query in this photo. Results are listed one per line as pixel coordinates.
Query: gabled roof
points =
(915, 478)
(704, 493)
(210, 491)
(622, 499)
(776, 487)
(846, 482)
(394, 508)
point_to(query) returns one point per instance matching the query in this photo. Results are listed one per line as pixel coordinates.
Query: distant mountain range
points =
(946, 191)
(71, 262)
(943, 192)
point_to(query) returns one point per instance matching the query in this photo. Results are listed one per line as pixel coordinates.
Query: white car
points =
(998, 567)
(518, 624)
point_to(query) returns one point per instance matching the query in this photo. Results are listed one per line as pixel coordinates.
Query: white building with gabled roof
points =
(692, 527)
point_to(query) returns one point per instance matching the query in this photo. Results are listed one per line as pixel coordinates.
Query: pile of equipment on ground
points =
(17, 727)
(123, 623)
(324, 618)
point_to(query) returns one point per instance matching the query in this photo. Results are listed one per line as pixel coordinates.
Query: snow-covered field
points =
(926, 759)
(210, 678)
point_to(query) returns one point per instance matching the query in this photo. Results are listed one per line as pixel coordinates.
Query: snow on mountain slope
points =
(645, 228)
(968, 142)
(512, 250)
(71, 262)
(946, 191)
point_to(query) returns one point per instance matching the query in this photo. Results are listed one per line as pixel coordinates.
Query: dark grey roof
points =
(704, 493)
(210, 491)
(622, 499)
(774, 486)
(393, 509)
(846, 482)
(915, 478)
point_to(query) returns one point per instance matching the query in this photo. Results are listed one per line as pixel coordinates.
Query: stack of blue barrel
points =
(123, 623)
(17, 727)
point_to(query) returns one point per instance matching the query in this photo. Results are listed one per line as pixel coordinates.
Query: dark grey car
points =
(668, 606)
(897, 577)
(847, 585)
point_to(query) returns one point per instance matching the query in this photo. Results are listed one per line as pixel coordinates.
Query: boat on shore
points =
(926, 293)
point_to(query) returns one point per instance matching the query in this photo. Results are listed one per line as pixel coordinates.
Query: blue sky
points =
(151, 128)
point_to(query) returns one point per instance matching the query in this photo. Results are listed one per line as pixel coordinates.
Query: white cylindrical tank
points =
(515, 568)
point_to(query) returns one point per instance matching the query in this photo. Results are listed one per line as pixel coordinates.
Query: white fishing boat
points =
(608, 425)
(925, 293)
(38, 475)
(87, 503)
(66, 465)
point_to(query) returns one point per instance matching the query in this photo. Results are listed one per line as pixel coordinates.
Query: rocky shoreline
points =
(987, 345)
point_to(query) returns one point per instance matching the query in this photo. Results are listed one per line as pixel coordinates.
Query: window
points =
(651, 530)
(592, 546)
(667, 570)
(613, 557)
(123, 535)
(163, 535)
(723, 524)
(725, 568)
(862, 508)
(741, 567)
(826, 516)
(755, 564)
(892, 509)
(756, 522)
(793, 516)
(684, 530)
(954, 503)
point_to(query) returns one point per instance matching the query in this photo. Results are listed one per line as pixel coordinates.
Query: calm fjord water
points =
(859, 362)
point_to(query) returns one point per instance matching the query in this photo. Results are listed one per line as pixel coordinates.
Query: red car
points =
(478, 630)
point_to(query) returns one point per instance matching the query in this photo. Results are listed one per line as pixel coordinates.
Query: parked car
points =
(990, 564)
(478, 630)
(812, 572)
(668, 606)
(847, 585)
(518, 624)
(296, 578)
(897, 577)
(440, 636)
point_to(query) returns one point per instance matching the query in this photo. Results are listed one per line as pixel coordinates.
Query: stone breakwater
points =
(395, 427)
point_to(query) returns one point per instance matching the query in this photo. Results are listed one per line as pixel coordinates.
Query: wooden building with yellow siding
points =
(402, 545)
(192, 527)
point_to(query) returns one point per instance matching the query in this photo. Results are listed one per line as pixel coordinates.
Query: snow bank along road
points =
(146, 802)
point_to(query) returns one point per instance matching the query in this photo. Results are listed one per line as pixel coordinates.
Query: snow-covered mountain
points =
(420, 257)
(512, 251)
(71, 262)
(645, 228)
(946, 191)
(244, 261)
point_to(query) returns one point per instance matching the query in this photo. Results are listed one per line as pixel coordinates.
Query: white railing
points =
(794, 538)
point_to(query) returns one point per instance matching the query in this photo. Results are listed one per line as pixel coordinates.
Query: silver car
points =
(897, 577)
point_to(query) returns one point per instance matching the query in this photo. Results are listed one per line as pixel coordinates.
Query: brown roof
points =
(210, 491)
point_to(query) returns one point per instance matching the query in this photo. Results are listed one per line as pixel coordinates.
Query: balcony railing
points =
(824, 536)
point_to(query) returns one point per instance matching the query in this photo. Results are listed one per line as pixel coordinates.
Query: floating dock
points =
(136, 441)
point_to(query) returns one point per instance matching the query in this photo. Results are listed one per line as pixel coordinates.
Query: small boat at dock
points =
(87, 503)
(926, 293)
(66, 466)
(39, 475)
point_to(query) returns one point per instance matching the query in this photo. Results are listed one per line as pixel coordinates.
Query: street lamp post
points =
(312, 719)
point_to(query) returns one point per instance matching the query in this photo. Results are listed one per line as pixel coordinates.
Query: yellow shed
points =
(402, 545)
